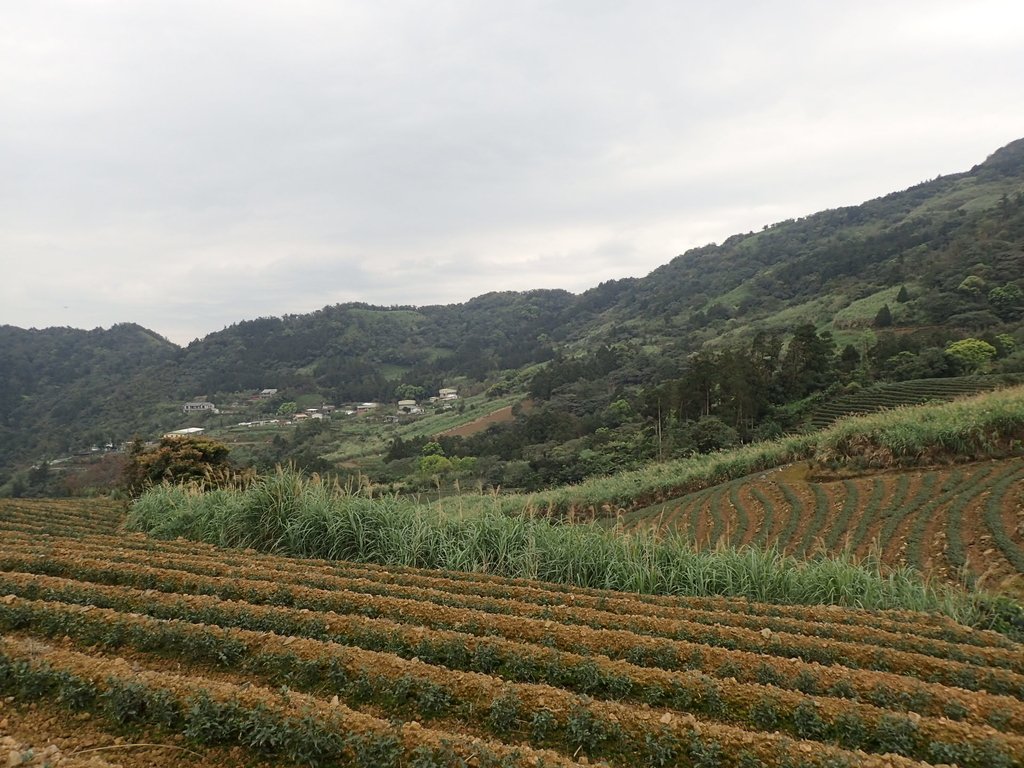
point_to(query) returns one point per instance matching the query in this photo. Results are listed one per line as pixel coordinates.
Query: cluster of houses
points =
(411, 407)
(199, 406)
(444, 396)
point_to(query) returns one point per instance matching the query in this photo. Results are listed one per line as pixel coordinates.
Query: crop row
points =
(93, 508)
(544, 656)
(312, 731)
(951, 490)
(558, 591)
(901, 394)
(732, 604)
(540, 625)
(1011, 550)
(440, 592)
(71, 512)
(426, 691)
(949, 628)
(880, 628)
(891, 514)
(841, 524)
(298, 727)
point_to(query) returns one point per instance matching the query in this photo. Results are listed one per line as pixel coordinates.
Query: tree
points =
(709, 433)
(972, 284)
(903, 296)
(806, 365)
(177, 460)
(1004, 344)
(1007, 301)
(849, 362)
(970, 355)
(434, 465)
(884, 317)
(409, 392)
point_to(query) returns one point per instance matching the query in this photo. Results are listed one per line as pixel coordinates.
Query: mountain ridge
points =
(952, 241)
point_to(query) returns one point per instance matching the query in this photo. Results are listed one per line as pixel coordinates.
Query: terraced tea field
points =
(903, 393)
(119, 648)
(965, 519)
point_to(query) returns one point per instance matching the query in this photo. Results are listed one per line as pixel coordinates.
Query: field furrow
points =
(561, 624)
(816, 619)
(429, 692)
(568, 611)
(637, 665)
(192, 650)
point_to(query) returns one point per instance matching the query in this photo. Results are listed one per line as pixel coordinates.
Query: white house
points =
(448, 393)
(187, 432)
(199, 407)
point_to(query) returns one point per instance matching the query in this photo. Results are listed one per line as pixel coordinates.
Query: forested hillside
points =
(724, 343)
(932, 237)
(62, 388)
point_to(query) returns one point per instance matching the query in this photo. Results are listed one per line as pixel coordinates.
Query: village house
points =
(186, 432)
(448, 393)
(199, 407)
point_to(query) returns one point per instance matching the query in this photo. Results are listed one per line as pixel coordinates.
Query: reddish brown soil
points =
(933, 545)
(500, 416)
(872, 543)
(809, 502)
(754, 510)
(836, 493)
(705, 522)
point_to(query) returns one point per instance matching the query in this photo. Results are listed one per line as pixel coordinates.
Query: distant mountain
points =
(934, 235)
(64, 388)
(954, 245)
(352, 351)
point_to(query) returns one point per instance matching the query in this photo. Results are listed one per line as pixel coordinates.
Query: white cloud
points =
(191, 164)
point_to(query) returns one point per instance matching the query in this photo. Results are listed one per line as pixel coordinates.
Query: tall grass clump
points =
(288, 513)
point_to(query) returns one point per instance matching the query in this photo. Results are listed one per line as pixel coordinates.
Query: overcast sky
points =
(186, 165)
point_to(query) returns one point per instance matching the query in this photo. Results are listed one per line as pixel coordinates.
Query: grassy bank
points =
(985, 426)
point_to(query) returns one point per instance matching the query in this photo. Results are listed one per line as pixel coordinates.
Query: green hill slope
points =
(943, 258)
